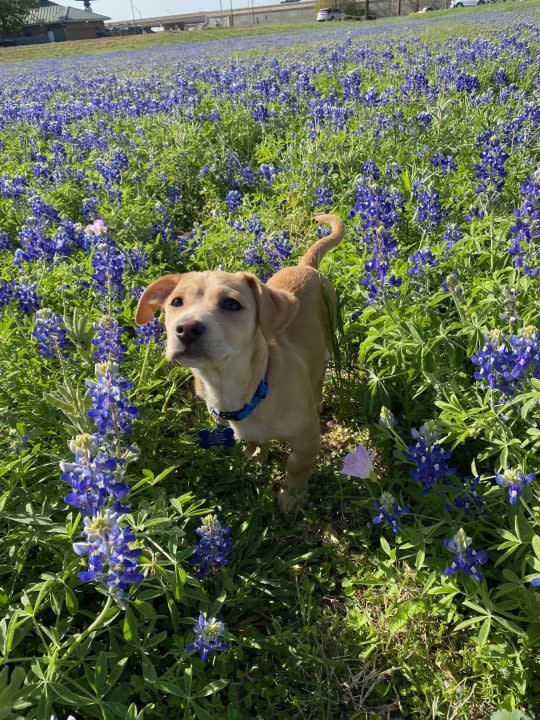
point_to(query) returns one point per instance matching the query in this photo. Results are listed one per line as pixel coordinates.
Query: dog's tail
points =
(315, 253)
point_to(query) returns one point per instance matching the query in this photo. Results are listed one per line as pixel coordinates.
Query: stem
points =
(143, 369)
(84, 634)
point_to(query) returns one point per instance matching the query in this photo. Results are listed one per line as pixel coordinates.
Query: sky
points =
(121, 9)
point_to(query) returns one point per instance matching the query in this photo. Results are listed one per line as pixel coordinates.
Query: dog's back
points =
(311, 329)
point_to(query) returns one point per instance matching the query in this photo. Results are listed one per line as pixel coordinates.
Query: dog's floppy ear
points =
(275, 308)
(154, 296)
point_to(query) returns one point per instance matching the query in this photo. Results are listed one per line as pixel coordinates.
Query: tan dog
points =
(232, 330)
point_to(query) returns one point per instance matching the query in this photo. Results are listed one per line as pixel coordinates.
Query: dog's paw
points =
(287, 503)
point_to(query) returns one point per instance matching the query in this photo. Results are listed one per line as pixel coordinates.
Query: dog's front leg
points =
(300, 466)
(256, 452)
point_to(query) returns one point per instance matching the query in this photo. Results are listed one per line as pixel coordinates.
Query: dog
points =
(258, 352)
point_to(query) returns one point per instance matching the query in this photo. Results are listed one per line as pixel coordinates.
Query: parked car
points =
(286, 2)
(327, 14)
(464, 3)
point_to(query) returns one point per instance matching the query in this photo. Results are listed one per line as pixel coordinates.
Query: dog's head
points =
(211, 316)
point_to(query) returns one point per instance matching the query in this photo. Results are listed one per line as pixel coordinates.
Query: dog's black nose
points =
(189, 331)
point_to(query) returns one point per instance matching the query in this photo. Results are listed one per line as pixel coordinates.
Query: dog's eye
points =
(177, 302)
(230, 304)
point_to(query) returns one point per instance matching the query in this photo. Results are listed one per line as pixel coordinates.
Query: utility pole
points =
(232, 16)
(132, 12)
(367, 9)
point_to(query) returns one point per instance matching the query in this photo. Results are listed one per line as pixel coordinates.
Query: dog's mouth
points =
(187, 356)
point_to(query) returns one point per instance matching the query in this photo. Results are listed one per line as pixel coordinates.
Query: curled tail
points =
(322, 246)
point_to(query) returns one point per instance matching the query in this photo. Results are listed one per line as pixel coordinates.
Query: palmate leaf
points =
(12, 692)
(73, 404)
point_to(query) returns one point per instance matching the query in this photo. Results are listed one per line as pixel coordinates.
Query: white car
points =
(327, 14)
(465, 3)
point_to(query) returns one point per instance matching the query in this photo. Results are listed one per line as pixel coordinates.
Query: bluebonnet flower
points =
(111, 411)
(491, 170)
(389, 511)
(387, 418)
(500, 77)
(445, 162)
(108, 264)
(515, 481)
(466, 560)
(90, 208)
(468, 500)
(506, 363)
(535, 582)
(7, 292)
(92, 476)
(214, 546)
(451, 286)
(268, 172)
(50, 333)
(525, 233)
(5, 243)
(108, 340)
(450, 237)
(27, 296)
(208, 638)
(467, 83)
(429, 456)
(190, 239)
(111, 560)
(429, 211)
(378, 209)
(152, 330)
(261, 113)
(267, 253)
(233, 200)
(41, 211)
(421, 260)
(13, 187)
(18, 441)
(138, 259)
(323, 196)
(424, 118)
(112, 172)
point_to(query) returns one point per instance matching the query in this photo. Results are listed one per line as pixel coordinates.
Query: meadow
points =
(143, 577)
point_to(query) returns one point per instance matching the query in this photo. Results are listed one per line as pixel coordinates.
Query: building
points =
(51, 21)
(277, 14)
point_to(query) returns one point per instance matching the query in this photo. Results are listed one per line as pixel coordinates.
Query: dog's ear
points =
(275, 308)
(154, 296)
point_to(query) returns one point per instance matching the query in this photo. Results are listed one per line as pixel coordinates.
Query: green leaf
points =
(100, 673)
(211, 689)
(130, 626)
(484, 632)
(72, 603)
(509, 715)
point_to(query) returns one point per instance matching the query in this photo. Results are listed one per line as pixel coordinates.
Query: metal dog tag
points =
(209, 438)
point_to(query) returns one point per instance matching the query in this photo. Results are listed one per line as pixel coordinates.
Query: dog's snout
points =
(190, 330)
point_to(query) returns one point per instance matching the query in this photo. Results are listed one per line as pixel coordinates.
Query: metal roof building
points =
(64, 22)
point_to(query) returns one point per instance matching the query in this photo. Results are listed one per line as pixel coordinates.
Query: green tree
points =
(13, 14)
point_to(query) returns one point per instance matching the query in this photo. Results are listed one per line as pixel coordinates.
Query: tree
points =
(13, 14)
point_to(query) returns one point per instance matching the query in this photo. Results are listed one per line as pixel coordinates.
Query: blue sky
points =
(121, 9)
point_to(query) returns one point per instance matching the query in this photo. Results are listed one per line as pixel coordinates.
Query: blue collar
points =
(244, 412)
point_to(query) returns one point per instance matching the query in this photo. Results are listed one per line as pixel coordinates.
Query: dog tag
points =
(209, 438)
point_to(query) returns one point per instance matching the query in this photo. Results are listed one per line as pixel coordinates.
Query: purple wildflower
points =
(208, 638)
(50, 334)
(466, 560)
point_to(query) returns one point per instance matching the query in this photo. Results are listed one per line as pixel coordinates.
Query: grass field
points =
(143, 577)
